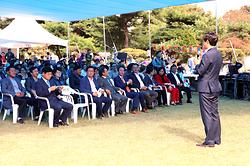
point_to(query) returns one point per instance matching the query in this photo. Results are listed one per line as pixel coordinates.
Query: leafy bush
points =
(227, 54)
(138, 54)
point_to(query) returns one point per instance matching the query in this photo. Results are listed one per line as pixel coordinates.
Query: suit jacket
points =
(172, 79)
(7, 87)
(119, 83)
(209, 70)
(85, 85)
(74, 81)
(42, 90)
(57, 82)
(148, 81)
(30, 84)
(105, 84)
(136, 83)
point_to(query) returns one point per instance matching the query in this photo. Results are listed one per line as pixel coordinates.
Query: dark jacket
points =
(85, 85)
(42, 90)
(209, 70)
(74, 81)
(7, 87)
(172, 79)
(30, 84)
(119, 83)
(105, 84)
(136, 83)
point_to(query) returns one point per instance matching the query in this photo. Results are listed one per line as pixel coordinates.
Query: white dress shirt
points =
(176, 79)
(139, 79)
(92, 85)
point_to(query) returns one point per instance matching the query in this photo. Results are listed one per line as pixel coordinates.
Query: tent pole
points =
(17, 53)
(67, 48)
(216, 16)
(104, 39)
(149, 34)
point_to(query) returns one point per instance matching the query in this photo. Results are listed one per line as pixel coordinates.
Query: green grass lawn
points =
(165, 136)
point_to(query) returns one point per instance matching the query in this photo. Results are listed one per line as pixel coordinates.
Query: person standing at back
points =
(209, 90)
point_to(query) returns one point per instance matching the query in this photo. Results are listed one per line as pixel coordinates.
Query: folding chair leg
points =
(40, 117)
(88, 113)
(75, 113)
(127, 106)
(168, 98)
(113, 108)
(15, 113)
(93, 111)
(4, 114)
(51, 118)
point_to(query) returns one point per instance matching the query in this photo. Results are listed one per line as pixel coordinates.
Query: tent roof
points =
(25, 32)
(72, 10)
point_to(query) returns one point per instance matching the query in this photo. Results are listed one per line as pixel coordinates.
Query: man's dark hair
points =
(211, 37)
(149, 69)
(47, 70)
(76, 67)
(173, 66)
(57, 69)
(32, 68)
(101, 70)
(10, 67)
(121, 66)
(90, 67)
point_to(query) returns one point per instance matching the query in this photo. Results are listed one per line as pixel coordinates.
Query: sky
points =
(223, 5)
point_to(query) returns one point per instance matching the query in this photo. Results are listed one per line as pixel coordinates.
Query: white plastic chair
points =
(49, 109)
(14, 108)
(67, 91)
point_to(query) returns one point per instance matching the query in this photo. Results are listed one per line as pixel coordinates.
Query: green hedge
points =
(138, 54)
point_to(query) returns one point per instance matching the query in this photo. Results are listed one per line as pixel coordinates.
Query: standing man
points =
(209, 90)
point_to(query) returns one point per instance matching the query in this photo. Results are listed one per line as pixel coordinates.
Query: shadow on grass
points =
(182, 133)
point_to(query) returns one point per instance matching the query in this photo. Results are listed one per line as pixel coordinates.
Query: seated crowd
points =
(145, 87)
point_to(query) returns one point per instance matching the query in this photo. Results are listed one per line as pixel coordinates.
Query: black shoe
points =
(99, 117)
(55, 125)
(150, 107)
(20, 121)
(189, 101)
(61, 123)
(36, 118)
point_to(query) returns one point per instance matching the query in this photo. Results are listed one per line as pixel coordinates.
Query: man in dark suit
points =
(13, 86)
(106, 83)
(89, 85)
(122, 82)
(75, 77)
(151, 84)
(74, 80)
(177, 81)
(30, 86)
(209, 89)
(45, 88)
(139, 83)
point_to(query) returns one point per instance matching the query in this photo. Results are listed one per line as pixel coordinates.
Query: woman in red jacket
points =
(162, 79)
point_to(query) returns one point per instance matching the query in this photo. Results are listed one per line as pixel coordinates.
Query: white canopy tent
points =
(26, 32)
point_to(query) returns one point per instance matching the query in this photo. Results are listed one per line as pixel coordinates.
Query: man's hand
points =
(170, 88)
(144, 88)
(95, 94)
(19, 94)
(108, 92)
(52, 88)
(129, 82)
